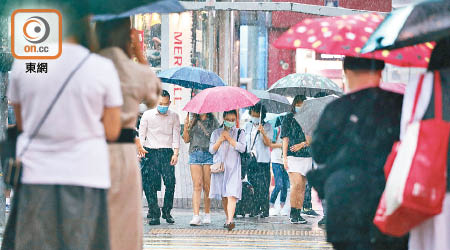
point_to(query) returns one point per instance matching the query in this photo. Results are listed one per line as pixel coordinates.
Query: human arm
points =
(186, 136)
(140, 148)
(111, 123)
(136, 47)
(285, 152)
(266, 133)
(17, 113)
(143, 128)
(176, 140)
(215, 142)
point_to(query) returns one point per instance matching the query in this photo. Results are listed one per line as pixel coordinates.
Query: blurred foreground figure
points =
(139, 83)
(433, 234)
(62, 201)
(351, 143)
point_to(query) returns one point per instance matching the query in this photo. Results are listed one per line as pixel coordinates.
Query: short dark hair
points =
(362, 64)
(114, 33)
(259, 108)
(231, 112)
(297, 99)
(165, 93)
(440, 56)
(320, 94)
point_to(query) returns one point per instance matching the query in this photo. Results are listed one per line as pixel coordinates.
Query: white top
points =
(160, 131)
(70, 148)
(263, 151)
(276, 154)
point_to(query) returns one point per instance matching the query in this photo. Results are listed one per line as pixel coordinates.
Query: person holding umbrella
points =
(296, 159)
(226, 144)
(351, 142)
(198, 132)
(258, 139)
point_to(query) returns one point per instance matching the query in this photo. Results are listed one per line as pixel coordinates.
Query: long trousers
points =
(259, 177)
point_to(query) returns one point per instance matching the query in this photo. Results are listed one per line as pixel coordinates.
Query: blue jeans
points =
(281, 183)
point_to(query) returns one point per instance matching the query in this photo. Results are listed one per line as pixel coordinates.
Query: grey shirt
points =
(199, 140)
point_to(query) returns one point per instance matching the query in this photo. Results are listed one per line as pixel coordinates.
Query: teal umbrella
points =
(422, 22)
(305, 84)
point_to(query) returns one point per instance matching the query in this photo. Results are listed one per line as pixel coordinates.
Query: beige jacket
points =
(139, 84)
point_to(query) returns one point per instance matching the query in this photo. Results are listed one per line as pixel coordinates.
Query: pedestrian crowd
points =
(82, 182)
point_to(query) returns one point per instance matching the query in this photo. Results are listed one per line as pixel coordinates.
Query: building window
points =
(332, 3)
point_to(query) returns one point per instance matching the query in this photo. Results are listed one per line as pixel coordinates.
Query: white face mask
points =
(254, 120)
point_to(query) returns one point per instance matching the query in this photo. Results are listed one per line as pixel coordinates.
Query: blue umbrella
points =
(159, 6)
(191, 77)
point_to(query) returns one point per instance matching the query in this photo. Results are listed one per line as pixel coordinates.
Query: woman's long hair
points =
(114, 33)
(196, 118)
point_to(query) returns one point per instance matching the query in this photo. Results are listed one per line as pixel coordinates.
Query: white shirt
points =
(160, 131)
(276, 154)
(263, 151)
(70, 148)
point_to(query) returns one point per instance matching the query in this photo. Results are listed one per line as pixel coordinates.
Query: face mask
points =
(297, 109)
(229, 124)
(162, 109)
(254, 120)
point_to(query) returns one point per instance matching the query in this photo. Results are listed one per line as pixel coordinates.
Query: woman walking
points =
(119, 43)
(259, 139)
(65, 116)
(198, 133)
(226, 144)
(280, 174)
(296, 159)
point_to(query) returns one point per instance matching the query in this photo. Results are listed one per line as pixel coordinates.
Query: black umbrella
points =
(414, 24)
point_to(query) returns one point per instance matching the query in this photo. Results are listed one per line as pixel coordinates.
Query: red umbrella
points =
(346, 35)
(219, 99)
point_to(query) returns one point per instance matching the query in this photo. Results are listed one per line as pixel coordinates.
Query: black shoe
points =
(169, 219)
(154, 222)
(301, 220)
(230, 226)
(323, 221)
(148, 215)
(310, 212)
(263, 215)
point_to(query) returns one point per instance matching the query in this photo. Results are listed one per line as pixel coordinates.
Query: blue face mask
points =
(297, 109)
(229, 124)
(254, 120)
(162, 109)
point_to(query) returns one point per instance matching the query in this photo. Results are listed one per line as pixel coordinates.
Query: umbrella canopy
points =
(96, 7)
(221, 99)
(191, 77)
(310, 112)
(346, 35)
(304, 84)
(413, 24)
(274, 103)
(160, 6)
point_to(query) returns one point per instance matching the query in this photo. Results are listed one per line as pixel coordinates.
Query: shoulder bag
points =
(12, 166)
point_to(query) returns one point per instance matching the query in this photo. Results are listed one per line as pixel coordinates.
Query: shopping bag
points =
(416, 169)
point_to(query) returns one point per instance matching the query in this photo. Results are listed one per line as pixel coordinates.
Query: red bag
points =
(416, 169)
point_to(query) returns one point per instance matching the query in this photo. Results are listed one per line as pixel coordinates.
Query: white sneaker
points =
(284, 212)
(196, 221)
(206, 219)
(274, 212)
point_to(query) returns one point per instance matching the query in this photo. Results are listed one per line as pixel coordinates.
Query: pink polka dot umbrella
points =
(346, 35)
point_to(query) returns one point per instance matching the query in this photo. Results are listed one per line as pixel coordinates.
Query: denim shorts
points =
(200, 157)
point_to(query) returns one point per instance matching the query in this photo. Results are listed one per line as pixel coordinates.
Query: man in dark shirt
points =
(351, 143)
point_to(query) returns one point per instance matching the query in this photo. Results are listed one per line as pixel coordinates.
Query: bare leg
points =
(225, 206)
(206, 186)
(231, 209)
(298, 183)
(197, 180)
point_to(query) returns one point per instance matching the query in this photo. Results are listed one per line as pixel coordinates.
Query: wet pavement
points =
(250, 233)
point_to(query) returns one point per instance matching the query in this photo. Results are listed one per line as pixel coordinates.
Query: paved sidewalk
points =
(250, 233)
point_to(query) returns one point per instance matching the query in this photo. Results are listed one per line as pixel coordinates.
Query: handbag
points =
(219, 167)
(248, 159)
(12, 166)
(416, 170)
